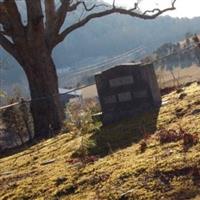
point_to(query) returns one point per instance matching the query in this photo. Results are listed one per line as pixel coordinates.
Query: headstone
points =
(126, 90)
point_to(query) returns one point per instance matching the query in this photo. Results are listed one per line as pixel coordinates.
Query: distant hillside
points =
(116, 34)
(107, 37)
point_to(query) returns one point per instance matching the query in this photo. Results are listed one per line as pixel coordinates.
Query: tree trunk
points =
(46, 108)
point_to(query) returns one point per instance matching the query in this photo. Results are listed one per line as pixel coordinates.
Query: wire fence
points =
(16, 117)
(156, 60)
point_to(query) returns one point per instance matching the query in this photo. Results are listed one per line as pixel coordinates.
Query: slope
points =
(160, 171)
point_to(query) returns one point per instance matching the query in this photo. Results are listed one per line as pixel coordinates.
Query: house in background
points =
(66, 95)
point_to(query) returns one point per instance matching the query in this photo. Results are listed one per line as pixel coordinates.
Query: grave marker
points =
(126, 90)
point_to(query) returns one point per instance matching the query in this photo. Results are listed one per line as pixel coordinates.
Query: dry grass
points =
(89, 92)
(182, 75)
(161, 172)
(165, 79)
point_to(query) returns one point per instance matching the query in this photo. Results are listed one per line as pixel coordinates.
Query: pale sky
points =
(184, 8)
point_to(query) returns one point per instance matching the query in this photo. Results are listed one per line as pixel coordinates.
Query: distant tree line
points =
(182, 54)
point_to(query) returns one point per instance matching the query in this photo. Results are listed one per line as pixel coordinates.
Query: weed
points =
(167, 136)
(142, 146)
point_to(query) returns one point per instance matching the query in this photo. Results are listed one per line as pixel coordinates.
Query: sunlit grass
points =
(123, 172)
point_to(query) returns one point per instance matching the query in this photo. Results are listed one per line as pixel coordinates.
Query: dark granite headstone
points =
(127, 90)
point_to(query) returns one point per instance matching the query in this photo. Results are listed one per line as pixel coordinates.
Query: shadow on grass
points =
(18, 149)
(109, 139)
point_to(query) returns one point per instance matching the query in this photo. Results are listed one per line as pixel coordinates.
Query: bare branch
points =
(13, 26)
(50, 13)
(91, 8)
(35, 15)
(66, 7)
(61, 15)
(63, 10)
(16, 26)
(8, 46)
(4, 33)
(6, 27)
(131, 12)
(158, 10)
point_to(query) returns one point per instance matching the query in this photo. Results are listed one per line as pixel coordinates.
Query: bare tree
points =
(32, 43)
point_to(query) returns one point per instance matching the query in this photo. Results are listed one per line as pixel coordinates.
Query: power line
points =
(109, 61)
(107, 64)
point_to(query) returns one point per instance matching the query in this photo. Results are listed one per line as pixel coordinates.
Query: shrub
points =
(80, 123)
(142, 146)
(189, 140)
(85, 146)
(79, 117)
(17, 120)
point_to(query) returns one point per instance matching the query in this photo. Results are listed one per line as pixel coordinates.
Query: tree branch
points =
(5, 27)
(131, 12)
(13, 19)
(4, 33)
(65, 8)
(158, 10)
(35, 18)
(50, 13)
(8, 46)
(61, 13)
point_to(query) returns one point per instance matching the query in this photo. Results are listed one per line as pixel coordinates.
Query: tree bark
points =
(46, 108)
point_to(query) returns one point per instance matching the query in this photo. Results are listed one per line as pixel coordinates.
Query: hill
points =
(107, 37)
(164, 165)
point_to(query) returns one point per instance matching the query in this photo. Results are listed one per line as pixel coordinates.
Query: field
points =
(167, 78)
(122, 168)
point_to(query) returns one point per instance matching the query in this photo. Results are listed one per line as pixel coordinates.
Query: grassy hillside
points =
(130, 167)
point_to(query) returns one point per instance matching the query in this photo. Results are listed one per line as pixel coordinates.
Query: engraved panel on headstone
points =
(110, 99)
(124, 96)
(125, 80)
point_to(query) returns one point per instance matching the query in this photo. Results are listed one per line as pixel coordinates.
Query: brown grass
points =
(161, 172)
